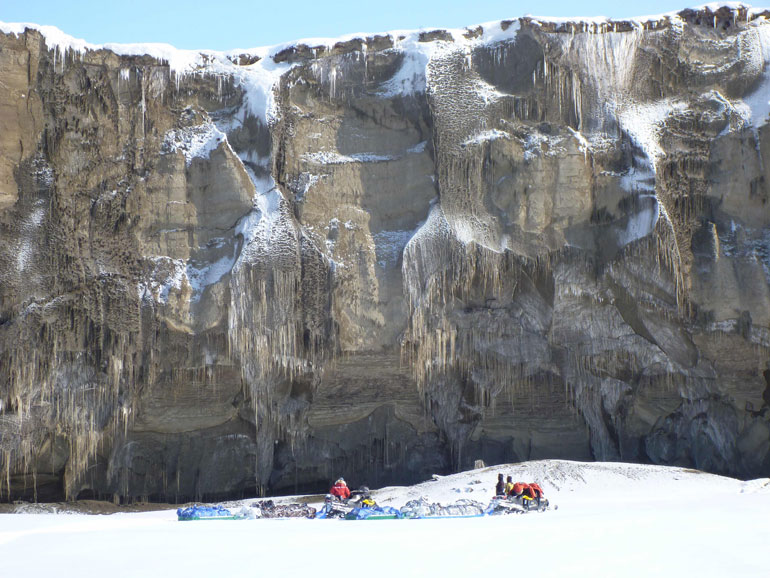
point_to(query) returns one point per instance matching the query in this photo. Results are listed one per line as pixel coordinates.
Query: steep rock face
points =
(383, 257)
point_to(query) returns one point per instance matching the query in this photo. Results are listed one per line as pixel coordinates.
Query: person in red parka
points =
(340, 490)
(521, 489)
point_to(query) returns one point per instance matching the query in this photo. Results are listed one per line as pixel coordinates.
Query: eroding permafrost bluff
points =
(383, 255)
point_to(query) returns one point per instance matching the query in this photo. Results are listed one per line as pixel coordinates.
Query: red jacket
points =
(341, 491)
(522, 489)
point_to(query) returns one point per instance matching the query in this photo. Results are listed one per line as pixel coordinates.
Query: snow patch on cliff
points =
(269, 210)
(486, 136)
(758, 102)
(335, 158)
(23, 256)
(389, 246)
(268, 229)
(201, 276)
(434, 227)
(639, 225)
(303, 184)
(167, 274)
(194, 141)
(173, 275)
(258, 81)
(418, 148)
(537, 144)
(25, 249)
(643, 121)
(411, 77)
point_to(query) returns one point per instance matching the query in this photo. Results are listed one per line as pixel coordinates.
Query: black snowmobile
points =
(334, 507)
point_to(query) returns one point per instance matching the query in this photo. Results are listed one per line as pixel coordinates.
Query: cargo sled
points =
(205, 513)
(422, 509)
(373, 513)
(268, 509)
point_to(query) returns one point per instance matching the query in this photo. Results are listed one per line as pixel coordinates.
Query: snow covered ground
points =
(612, 520)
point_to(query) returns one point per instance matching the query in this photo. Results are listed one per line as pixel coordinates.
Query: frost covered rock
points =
(386, 256)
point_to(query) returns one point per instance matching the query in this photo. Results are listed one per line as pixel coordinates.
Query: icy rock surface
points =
(383, 256)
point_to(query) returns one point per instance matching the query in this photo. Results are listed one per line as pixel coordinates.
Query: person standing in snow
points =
(508, 485)
(340, 490)
(500, 487)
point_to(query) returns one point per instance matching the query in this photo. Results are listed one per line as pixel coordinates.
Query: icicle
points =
(143, 104)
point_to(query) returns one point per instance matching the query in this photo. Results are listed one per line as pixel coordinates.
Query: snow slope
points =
(612, 520)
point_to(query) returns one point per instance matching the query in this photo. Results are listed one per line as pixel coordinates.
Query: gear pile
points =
(268, 509)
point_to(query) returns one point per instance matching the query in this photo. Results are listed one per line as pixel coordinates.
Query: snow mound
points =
(760, 486)
(569, 481)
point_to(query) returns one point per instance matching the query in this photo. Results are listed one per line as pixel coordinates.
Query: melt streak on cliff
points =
(384, 255)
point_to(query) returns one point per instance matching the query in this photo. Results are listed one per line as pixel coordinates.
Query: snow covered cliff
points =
(388, 255)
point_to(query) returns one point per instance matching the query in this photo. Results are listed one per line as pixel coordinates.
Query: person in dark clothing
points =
(500, 487)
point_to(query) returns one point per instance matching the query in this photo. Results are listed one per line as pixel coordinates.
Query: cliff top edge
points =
(488, 32)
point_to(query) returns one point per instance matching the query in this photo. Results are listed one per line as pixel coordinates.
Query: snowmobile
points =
(335, 508)
(520, 504)
(360, 506)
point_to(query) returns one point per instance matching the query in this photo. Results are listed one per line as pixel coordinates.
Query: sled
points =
(373, 513)
(198, 518)
(352, 516)
(200, 513)
(422, 509)
(448, 517)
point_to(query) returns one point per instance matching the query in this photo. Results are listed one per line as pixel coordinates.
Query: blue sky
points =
(229, 24)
